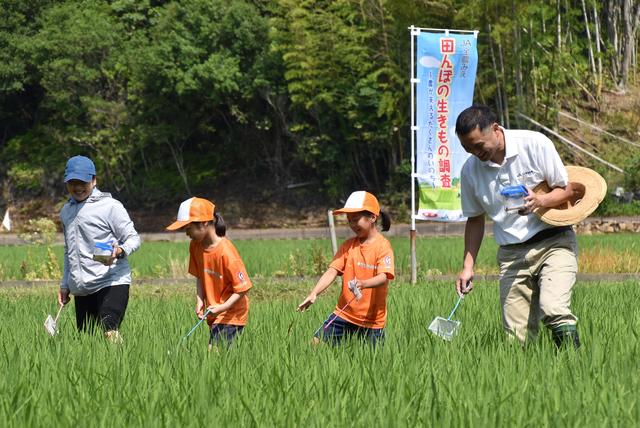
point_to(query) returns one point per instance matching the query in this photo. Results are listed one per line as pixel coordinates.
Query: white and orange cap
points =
(360, 201)
(194, 209)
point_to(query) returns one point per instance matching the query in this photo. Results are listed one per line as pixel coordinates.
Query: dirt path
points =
(424, 228)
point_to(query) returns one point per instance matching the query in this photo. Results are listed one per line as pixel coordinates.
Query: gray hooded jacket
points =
(99, 218)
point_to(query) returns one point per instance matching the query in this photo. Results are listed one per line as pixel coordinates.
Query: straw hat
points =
(590, 189)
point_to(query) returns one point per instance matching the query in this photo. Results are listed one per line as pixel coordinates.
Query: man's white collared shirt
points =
(530, 158)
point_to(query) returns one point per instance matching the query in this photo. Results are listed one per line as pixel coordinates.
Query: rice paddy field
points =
(272, 376)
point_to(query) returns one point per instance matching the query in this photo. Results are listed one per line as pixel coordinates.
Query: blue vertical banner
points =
(446, 71)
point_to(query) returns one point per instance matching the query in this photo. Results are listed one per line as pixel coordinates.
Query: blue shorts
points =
(224, 333)
(341, 329)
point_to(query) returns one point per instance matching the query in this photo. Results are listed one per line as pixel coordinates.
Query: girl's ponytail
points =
(385, 219)
(220, 225)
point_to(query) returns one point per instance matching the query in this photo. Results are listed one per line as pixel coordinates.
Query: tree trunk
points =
(558, 52)
(276, 152)
(635, 62)
(176, 153)
(533, 67)
(497, 76)
(612, 13)
(374, 170)
(569, 36)
(543, 88)
(517, 45)
(596, 20)
(395, 148)
(505, 99)
(558, 26)
(630, 18)
(592, 62)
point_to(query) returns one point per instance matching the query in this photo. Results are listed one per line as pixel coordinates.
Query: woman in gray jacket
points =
(92, 219)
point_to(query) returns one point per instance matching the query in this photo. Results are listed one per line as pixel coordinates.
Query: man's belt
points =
(545, 234)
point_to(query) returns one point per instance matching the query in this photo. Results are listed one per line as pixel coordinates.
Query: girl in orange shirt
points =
(222, 282)
(365, 263)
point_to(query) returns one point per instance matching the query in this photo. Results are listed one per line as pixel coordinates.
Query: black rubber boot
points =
(565, 335)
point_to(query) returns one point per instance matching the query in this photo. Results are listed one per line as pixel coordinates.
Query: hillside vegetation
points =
(287, 103)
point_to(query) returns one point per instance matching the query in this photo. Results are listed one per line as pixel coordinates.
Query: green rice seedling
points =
(272, 376)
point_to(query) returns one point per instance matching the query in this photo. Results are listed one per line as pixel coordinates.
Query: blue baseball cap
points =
(79, 168)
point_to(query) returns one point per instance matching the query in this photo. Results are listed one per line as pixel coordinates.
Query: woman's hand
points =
(114, 255)
(63, 296)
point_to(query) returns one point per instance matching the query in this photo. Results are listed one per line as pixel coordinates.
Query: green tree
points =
(193, 80)
(341, 79)
(19, 90)
(75, 60)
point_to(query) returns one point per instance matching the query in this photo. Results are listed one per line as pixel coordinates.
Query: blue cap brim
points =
(87, 178)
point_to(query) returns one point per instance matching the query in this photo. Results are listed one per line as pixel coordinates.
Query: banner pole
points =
(412, 233)
(332, 232)
(447, 62)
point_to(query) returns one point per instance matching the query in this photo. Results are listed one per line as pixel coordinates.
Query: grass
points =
(616, 253)
(609, 208)
(272, 377)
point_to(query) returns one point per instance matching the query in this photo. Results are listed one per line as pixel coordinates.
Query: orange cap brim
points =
(178, 225)
(354, 210)
(348, 210)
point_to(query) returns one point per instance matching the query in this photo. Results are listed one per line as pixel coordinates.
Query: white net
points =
(446, 329)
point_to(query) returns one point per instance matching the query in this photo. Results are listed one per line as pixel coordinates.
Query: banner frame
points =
(414, 32)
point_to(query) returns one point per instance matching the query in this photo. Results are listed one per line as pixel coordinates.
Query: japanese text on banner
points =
(446, 71)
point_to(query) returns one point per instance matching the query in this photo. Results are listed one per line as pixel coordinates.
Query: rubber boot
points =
(565, 335)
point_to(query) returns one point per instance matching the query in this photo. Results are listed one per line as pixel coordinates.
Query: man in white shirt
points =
(538, 263)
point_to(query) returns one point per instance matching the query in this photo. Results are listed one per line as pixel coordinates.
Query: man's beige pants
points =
(535, 284)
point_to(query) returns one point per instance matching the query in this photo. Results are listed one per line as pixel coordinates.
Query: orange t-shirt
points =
(364, 261)
(222, 273)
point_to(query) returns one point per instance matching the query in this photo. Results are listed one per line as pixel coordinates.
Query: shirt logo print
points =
(525, 173)
(387, 261)
(366, 266)
(213, 272)
(241, 276)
